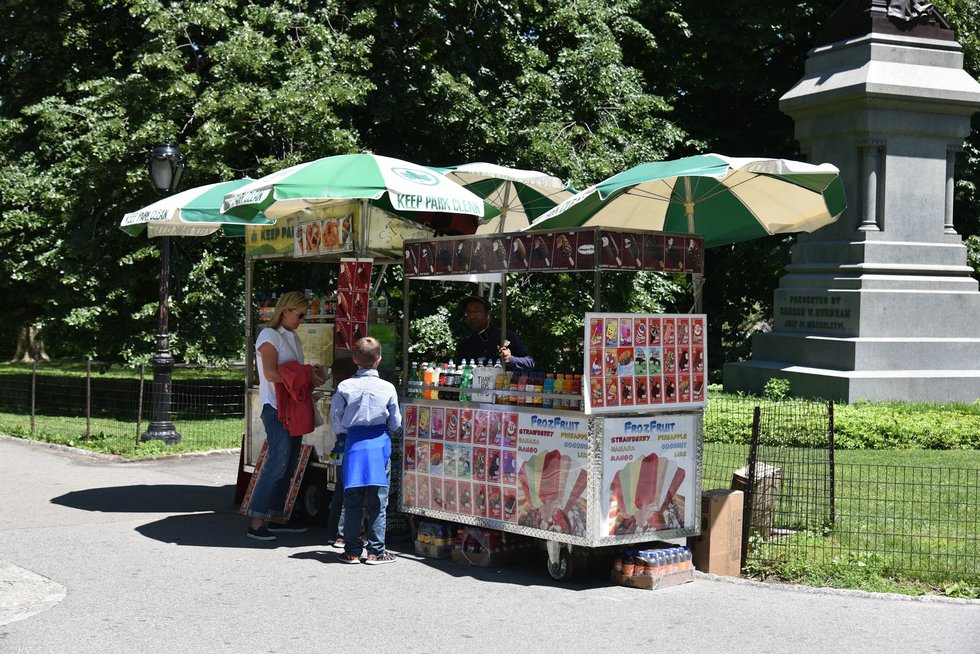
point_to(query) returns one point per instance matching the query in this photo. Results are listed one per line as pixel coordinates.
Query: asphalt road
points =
(103, 556)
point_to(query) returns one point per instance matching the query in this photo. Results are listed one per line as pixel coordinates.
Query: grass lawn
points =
(905, 520)
(119, 437)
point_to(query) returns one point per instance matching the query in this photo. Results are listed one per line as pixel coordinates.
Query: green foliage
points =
(431, 336)
(777, 389)
(582, 90)
(863, 425)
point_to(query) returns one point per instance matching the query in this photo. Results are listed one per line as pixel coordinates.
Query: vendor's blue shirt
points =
(366, 407)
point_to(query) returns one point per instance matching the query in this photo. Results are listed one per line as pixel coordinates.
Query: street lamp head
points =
(166, 164)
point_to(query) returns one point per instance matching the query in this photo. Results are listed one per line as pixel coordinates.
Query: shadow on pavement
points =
(224, 529)
(158, 498)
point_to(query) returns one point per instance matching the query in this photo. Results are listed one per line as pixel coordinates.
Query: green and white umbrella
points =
(194, 212)
(397, 186)
(520, 195)
(724, 199)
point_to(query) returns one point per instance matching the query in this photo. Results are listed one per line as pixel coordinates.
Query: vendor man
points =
(486, 342)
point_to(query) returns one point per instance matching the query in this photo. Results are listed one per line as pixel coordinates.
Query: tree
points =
(89, 88)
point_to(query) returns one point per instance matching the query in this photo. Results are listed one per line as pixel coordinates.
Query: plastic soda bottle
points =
(577, 390)
(549, 387)
(413, 380)
(537, 385)
(466, 381)
(431, 379)
(522, 387)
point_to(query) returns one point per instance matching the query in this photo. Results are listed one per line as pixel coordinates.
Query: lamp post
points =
(165, 164)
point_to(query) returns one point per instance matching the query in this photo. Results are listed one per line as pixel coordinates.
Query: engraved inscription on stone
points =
(833, 314)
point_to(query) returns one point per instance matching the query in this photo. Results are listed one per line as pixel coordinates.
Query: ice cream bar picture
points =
(499, 254)
(478, 258)
(449, 495)
(408, 489)
(565, 250)
(409, 454)
(631, 251)
(444, 257)
(427, 259)
(461, 257)
(411, 421)
(610, 244)
(518, 252)
(345, 277)
(541, 246)
(412, 259)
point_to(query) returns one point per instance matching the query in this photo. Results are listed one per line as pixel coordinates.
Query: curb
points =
(114, 458)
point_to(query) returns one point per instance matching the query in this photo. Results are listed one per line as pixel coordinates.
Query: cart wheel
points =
(560, 565)
(314, 498)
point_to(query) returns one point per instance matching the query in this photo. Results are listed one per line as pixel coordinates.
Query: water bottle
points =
(549, 387)
(413, 380)
(466, 381)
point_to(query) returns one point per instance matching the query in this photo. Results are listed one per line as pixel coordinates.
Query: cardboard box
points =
(432, 551)
(653, 582)
(494, 548)
(718, 549)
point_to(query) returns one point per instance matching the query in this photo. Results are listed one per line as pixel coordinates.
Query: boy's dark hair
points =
(367, 352)
(342, 369)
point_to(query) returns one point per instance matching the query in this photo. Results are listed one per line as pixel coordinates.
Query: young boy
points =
(342, 369)
(366, 408)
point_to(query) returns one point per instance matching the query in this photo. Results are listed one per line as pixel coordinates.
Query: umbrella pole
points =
(697, 279)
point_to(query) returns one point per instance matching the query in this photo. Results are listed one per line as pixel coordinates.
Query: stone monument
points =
(879, 305)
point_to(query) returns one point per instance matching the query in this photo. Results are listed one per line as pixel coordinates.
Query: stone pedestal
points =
(879, 305)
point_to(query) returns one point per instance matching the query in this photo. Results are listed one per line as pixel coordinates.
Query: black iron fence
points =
(810, 515)
(110, 407)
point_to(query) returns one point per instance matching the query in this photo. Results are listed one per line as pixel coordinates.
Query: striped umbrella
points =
(724, 199)
(194, 212)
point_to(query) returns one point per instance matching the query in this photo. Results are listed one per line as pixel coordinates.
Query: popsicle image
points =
(478, 260)
(519, 253)
(610, 251)
(499, 255)
(363, 276)
(540, 251)
(462, 256)
(444, 256)
(427, 260)
(631, 253)
(676, 479)
(564, 249)
(411, 262)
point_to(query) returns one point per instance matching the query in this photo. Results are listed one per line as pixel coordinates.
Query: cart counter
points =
(554, 474)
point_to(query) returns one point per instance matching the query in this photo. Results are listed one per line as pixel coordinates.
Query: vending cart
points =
(356, 238)
(614, 456)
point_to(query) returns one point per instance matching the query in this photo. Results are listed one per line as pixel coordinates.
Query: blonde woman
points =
(276, 345)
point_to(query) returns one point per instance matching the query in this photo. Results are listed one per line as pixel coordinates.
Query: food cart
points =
(355, 238)
(618, 463)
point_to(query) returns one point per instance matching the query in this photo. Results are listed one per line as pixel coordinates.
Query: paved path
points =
(103, 556)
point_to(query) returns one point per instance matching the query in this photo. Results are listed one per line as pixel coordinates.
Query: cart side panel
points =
(322, 439)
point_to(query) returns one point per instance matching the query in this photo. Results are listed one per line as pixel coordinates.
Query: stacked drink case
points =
(653, 562)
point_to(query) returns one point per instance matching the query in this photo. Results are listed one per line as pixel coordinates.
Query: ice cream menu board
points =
(353, 290)
(523, 468)
(644, 361)
(649, 473)
(580, 249)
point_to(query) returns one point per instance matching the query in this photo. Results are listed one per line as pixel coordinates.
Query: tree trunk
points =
(29, 346)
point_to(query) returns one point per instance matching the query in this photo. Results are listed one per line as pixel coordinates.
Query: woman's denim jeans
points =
(269, 496)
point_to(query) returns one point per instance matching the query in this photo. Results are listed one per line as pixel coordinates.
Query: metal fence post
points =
(88, 400)
(750, 485)
(833, 475)
(33, 397)
(139, 407)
